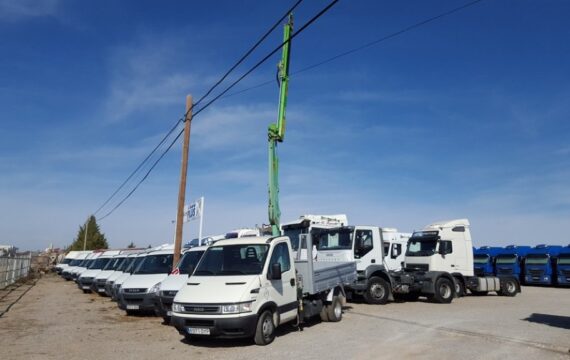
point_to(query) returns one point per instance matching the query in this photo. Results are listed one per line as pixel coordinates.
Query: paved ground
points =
(54, 320)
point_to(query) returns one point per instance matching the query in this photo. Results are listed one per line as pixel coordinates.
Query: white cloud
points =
(14, 10)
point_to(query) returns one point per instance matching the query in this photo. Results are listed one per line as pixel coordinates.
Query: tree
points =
(131, 245)
(95, 238)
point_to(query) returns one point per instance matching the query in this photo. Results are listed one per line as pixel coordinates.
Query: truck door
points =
(283, 291)
(367, 247)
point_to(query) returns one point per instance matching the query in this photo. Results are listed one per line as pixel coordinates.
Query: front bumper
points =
(136, 302)
(226, 327)
(84, 283)
(164, 304)
(538, 279)
(98, 286)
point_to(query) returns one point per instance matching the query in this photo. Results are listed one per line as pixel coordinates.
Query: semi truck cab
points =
(484, 260)
(563, 267)
(511, 261)
(539, 265)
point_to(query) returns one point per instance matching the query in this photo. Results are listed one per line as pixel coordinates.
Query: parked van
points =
(86, 279)
(79, 261)
(126, 274)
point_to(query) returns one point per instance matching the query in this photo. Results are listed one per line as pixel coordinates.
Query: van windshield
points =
(99, 264)
(114, 263)
(75, 262)
(134, 264)
(245, 259)
(189, 261)
(155, 264)
(506, 259)
(66, 261)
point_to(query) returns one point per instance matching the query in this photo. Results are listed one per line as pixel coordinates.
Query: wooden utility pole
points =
(182, 189)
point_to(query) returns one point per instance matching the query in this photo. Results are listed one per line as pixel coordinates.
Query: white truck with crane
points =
(438, 264)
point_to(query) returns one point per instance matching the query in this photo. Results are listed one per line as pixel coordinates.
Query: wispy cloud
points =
(16, 10)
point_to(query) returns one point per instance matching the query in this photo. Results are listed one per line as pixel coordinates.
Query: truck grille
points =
(505, 271)
(535, 272)
(417, 267)
(202, 309)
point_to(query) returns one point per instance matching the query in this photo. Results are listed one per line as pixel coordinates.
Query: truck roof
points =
(447, 224)
(243, 241)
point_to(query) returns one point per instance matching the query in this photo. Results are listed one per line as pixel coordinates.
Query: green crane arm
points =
(276, 131)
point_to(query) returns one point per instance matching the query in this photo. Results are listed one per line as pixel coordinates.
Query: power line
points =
(308, 23)
(139, 167)
(248, 52)
(144, 177)
(260, 62)
(364, 46)
(267, 33)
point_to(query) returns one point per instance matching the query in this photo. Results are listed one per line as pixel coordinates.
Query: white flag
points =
(193, 211)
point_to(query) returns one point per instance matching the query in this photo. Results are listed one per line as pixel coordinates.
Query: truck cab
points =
(539, 265)
(511, 261)
(484, 260)
(563, 267)
(245, 288)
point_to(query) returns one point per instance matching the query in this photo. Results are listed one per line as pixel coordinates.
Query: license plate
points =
(198, 331)
(132, 307)
(169, 313)
(101, 290)
(85, 287)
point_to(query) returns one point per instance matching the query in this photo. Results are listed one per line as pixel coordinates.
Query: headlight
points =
(154, 289)
(177, 307)
(236, 308)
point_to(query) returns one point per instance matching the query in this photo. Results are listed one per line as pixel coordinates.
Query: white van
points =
(117, 272)
(65, 262)
(138, 291)
(169, 287)
(86, 279)
(125, 275)
(79, 261)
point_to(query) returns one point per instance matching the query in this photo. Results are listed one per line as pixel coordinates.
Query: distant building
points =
(8, 250)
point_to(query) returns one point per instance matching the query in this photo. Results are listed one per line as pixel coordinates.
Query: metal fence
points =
(14, 268)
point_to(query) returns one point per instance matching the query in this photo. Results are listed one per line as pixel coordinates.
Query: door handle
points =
(292, 282)
(452, 265)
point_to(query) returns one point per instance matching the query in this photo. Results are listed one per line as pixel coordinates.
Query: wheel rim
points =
(267, 327)
(337, 310)
(377, 291)
(458, 288)
(510, 287)
(445, 291)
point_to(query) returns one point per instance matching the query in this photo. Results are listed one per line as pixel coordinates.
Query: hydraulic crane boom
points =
(276, 131)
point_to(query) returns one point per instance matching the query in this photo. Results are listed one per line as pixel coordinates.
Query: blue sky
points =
(465, 117)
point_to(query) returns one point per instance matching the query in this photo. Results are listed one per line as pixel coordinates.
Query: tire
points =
(265, 329)
(324, 314)
(334, 310)
(508, 288)
(459, 288)
(377, 292)
(444, 291)
(166, 320)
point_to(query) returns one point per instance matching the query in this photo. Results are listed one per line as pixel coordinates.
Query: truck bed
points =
(322, 276)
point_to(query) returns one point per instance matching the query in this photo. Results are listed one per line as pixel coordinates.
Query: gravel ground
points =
(55, 320)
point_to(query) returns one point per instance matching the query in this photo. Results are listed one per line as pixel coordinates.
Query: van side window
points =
(281, 255)
(362, 243)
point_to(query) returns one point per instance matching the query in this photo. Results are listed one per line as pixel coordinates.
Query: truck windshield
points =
(536, 259)
(564, 259)
(334, 239)
(293, 233)
(481, 258)
(155, 264)
(422, 246)
(245, 259)
(189, 261)
(506, 259)
(99, 264)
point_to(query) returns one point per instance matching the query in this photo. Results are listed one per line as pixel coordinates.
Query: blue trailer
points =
(563, 267)
(540, 263)
(511, 261)
(483, 260)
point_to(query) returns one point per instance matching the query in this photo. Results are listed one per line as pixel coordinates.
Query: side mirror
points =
(275, 271)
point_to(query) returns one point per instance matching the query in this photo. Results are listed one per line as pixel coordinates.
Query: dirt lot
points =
(54, 320)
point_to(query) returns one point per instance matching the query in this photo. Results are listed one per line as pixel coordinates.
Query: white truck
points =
(376, 251)
(438, 265)
(170, 286)
(247, 287)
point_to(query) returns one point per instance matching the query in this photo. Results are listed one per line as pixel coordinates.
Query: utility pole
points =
(182, 188)
(86, 229)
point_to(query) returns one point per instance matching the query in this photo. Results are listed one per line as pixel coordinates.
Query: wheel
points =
(166, 319)
(479, 293)
(459, 290)
(508, 288)
(444, 291)
(334, 310)
(324, 314)
(265, 329)
(378, 291)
